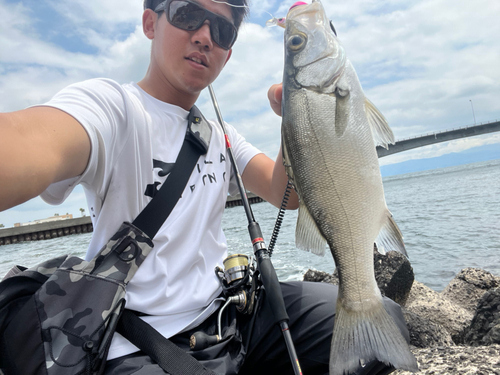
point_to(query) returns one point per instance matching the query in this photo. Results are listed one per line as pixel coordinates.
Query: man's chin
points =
(196, 87)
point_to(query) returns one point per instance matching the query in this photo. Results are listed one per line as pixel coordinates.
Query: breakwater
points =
(237, 201)
(60, 228)
(45, 231)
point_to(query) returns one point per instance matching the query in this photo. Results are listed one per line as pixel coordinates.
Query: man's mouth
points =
(196, 60)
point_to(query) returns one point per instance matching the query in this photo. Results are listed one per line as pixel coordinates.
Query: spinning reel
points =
(239, 284)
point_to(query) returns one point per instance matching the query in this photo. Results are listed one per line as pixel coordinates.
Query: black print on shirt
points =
(164, 170)
(210, 177)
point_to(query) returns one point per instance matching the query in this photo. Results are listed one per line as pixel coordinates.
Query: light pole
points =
(470, 100)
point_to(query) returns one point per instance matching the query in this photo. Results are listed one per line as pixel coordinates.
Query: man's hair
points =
(238, 13)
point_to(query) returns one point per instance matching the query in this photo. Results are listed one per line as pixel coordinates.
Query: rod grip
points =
(274, 296)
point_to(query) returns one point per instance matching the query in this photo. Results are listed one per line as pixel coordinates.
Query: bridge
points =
(444, 136)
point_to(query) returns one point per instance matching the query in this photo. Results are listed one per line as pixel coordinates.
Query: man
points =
(119, 142)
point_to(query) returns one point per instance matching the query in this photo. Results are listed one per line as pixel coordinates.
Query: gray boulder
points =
(469, 286)
(425, 333)
(321, 277)
(431, 306)
(485, 326)
(394, 275)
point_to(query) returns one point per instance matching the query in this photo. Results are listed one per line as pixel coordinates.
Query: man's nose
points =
(203, 37)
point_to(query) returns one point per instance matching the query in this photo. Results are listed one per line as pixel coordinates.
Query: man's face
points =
(188, 61)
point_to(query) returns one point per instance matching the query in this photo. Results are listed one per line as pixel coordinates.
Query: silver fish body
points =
(329, 135)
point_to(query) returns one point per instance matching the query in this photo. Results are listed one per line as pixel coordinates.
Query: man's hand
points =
(274, 95)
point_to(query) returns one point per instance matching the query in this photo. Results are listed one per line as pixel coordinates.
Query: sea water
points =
(450, 220)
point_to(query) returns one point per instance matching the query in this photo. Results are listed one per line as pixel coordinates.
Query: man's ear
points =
(228, 56)
(148, 23)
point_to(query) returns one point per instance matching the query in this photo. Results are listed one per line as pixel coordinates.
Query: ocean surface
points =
(450, 220)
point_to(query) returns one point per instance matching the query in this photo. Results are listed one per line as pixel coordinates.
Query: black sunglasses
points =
(188, 15)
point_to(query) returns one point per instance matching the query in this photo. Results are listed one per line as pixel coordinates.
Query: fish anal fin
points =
(382, 133)
(390, 237)
(307, 234)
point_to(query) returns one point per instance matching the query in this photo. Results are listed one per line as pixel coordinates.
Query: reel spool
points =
(236, 267)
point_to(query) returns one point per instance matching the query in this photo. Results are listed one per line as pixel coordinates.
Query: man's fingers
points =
(274, 94)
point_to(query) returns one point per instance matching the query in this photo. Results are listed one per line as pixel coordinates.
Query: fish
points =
(330, 131)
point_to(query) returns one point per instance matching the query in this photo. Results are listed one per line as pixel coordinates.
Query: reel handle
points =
(200, 340)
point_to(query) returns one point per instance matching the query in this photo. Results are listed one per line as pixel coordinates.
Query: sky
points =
(427, 65)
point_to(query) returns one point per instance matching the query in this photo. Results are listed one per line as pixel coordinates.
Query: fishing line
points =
(279, 219)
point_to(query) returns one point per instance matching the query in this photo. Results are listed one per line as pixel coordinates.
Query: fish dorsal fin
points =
(390, 237)
(382, 133)
(307, 234)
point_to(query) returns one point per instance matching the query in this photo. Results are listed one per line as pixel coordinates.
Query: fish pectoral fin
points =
(307, 235)
(382, 133)
(342, 112)
(390, 237)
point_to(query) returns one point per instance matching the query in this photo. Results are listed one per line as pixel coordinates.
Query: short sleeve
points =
(243, 153)
(99, 105)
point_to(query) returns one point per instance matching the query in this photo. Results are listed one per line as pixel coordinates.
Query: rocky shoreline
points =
(456, 331)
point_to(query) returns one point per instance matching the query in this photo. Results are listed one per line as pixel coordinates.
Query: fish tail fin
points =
(390, 237)
(361, 337)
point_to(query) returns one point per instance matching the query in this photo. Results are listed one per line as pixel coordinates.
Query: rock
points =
(321, 277)
(424, 333)
(469, 286)
(457, 360)
(431, 306)
(485, 326)
(393, 273)
(467, 311)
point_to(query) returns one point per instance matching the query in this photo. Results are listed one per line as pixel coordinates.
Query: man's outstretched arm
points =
(38, 146)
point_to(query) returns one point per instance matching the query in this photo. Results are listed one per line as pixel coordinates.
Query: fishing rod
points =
(266, 269)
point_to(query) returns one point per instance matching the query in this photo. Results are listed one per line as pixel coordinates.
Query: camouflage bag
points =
(59, 316)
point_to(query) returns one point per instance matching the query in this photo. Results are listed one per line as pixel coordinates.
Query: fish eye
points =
(333, 28)
(296, 42)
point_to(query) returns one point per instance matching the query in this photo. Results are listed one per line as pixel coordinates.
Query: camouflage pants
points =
(311, 308)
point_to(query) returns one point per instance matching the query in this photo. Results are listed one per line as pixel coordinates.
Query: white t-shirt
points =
(135, 139)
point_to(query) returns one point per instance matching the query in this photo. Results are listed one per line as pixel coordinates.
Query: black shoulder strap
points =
(169, 356)
(195, 144)
(165, 353)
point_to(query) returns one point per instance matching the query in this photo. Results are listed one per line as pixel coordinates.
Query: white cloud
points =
(421, 62)
(108, 14)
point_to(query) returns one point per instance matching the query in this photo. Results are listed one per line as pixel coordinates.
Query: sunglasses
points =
(188, 15)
